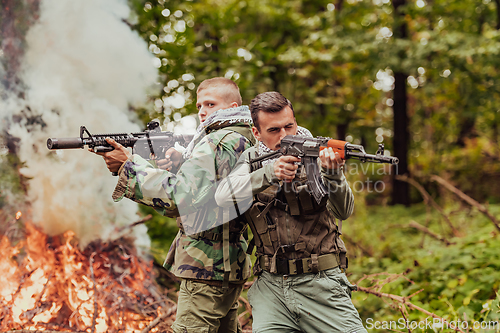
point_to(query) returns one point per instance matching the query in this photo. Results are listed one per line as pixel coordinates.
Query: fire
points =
(49, 284)
(18, 215)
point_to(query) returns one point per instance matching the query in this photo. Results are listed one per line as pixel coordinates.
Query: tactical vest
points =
(236, 227)
(292, 233)
(233, 231)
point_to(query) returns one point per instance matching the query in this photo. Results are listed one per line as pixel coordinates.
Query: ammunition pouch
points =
(313, 264)
(307, 228)
(298, 197)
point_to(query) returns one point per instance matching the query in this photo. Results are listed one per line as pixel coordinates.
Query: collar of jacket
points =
(219, 119)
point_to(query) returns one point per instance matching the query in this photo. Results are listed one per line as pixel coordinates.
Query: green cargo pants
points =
(304, 303)
(202, 308)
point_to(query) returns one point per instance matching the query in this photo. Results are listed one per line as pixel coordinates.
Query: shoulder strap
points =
(243, 130)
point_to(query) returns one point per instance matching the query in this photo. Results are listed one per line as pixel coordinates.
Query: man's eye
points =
(198, 107)
(211, 104)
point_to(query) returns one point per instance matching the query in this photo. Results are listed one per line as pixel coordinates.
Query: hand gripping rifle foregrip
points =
(348, 150)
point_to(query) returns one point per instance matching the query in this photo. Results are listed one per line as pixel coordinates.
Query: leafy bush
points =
(459, 281)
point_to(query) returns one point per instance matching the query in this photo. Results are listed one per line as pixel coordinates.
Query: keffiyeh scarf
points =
(219, 119)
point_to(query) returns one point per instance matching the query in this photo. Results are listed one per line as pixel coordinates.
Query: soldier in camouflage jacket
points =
(208, 254)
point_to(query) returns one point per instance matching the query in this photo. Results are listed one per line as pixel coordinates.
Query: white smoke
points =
(83, 66)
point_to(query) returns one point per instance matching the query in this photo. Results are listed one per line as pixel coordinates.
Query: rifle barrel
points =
(64, 143)
(374, 158)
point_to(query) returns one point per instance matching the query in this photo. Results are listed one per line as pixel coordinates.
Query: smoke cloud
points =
(83, 66)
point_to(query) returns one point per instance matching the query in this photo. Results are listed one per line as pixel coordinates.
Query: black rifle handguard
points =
(150, 144)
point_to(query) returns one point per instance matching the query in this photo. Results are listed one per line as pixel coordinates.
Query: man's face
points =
(209, 100)
(274, 127)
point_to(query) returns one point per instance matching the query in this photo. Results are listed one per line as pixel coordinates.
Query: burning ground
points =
(67, 263)
(49, 284)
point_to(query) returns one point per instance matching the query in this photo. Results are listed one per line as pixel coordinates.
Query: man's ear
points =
(233, 105)
(256, 133)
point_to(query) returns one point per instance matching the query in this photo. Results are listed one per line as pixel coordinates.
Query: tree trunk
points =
(467, 130)
(400, 190)
(338, 6)
(495, 124)
(342, 131)
(498, 14)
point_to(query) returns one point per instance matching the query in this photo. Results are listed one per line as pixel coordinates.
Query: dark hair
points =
(228, 90)
(271, 101)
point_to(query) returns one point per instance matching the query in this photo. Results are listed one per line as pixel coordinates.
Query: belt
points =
(217, 283)
(299, 266)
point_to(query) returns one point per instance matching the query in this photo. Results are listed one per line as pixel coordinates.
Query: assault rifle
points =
(308, 150)
(150, 144)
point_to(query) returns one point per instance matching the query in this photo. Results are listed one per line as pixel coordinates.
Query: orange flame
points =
(18, 215)
(49, 284)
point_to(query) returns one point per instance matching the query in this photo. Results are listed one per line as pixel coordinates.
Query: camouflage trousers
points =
(202, 308)
(304, 303)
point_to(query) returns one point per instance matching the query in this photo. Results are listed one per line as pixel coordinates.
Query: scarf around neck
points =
(219, 119)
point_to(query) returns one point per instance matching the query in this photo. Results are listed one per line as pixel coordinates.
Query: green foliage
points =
(461, 278)
(335, 61)
(474, 168)
(161, 230)
(11, 188)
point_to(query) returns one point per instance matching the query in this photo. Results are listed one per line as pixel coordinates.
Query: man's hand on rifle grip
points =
(115, 158)
(285, 167)
(172, 160)
(330, 159)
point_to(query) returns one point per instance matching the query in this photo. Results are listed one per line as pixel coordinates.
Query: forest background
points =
(421, 77)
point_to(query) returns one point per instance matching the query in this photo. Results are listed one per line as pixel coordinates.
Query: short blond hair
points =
(228, 90)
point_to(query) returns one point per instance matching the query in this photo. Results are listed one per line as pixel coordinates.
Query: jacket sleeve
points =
(340, 198)
(188, 190)
(241, 184)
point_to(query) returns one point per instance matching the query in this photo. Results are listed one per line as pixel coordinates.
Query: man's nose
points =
(282, 133)
(202, 112)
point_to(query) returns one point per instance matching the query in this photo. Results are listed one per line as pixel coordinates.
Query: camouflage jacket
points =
(189, 194)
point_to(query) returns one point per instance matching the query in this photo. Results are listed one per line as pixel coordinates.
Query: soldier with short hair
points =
(301, 260)
(207, 254)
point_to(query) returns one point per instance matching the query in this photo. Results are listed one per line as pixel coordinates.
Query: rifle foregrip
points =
(337, 146)
(102, 149)
(64, 143)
